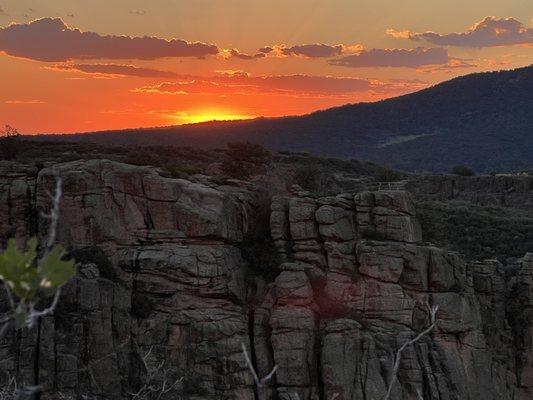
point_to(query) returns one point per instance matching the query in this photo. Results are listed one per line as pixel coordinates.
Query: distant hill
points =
(482, 120)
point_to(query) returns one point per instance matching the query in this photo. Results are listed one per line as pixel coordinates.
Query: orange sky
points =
(71, 66)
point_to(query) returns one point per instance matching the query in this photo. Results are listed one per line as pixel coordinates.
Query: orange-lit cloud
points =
(242, 83)
(77, 80)
(114, 70)
(449, 67)
(24, 102)
(50, 39)
(489, 32)
(409, 58)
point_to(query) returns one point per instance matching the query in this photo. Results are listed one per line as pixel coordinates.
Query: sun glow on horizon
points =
(209, 116)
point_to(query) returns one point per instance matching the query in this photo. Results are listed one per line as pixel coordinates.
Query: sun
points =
(211, 115)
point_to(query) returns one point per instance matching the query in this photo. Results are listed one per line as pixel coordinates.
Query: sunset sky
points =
(72, 65)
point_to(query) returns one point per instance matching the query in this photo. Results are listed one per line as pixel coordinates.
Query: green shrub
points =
(306, 177)
(388, 175)
(26, 275)
(462, 170)
(244, 159)
(478, 232)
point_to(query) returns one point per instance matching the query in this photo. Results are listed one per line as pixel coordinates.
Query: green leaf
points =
(53, 270)
(17, 268)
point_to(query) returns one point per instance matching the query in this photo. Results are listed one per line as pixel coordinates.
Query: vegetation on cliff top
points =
(478, 232)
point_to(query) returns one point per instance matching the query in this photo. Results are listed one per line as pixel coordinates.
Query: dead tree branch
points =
(259, 383)
(396, 361)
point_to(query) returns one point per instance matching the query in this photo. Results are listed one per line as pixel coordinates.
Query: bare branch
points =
(33, 315)
(259, 383)
(150, 388)
(396, 360)
(54, 216)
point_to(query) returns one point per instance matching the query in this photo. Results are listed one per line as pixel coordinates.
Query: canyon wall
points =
(162, 285)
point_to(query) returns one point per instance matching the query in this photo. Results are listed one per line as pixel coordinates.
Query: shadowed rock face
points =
(163, 278)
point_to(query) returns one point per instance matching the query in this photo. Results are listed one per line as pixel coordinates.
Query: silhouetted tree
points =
(9, 143)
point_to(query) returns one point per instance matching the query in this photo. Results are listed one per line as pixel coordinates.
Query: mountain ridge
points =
(481, 120)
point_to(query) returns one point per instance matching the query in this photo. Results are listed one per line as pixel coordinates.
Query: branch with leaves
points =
(29, 277)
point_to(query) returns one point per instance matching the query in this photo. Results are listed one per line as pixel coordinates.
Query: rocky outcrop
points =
(162, 285)
(172, 288)
(372, 279)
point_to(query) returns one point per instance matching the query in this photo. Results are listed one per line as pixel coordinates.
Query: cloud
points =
(24, 102)
(243, 56)
(2, 12)
(450, 66)
(242, 83)
(490, 32)
(51, 40)
(316, 50)
(115, 70)
(138, 12)
(412, 58)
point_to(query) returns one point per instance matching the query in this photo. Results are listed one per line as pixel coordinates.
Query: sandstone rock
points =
(175, 290)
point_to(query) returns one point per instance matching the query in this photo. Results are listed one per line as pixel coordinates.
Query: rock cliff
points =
(162, 285)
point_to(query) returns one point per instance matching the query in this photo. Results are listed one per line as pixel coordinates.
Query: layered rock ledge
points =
(161, 278)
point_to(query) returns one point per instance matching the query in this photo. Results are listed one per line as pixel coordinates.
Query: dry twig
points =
(396, 361)
(259, 383)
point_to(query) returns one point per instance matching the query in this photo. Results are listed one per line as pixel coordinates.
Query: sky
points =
(74, 66)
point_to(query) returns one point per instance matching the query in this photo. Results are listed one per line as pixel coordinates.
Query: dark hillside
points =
(482, 120)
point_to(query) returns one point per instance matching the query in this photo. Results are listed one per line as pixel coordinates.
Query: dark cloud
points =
(115, 69)
(316, 50)
(50, 39)
(243, 56)
(487, 33)
(266, 49)
(413, 58)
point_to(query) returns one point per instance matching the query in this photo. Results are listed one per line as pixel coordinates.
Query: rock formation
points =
(162, 285)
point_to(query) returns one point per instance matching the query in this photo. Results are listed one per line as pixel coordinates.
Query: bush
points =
(306, 177)
(388, 175)
(478, 232)
(244, 159)
(10, 143)
(462, 170)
